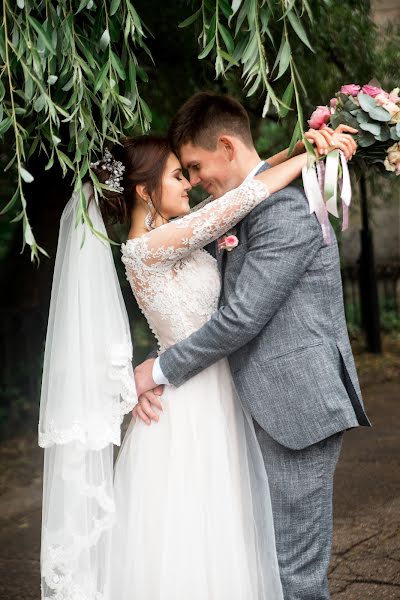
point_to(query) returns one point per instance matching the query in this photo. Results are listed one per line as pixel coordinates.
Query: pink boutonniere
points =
(228, 242)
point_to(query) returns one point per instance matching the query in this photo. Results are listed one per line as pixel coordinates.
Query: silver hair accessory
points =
(148, 220)
(114, 167)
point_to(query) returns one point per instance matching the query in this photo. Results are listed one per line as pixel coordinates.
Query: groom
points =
(281, 324)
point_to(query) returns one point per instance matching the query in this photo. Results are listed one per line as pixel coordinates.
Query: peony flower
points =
(373, 91)
(319, 117)
(332, 104)
(392, 160)
(350, 90)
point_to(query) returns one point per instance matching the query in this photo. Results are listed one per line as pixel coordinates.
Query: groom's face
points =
(214, 170)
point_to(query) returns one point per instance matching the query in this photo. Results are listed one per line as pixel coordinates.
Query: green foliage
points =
(259, 36)
(73, 71)
(69, 82)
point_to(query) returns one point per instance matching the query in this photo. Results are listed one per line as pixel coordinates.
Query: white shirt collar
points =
(254, 170)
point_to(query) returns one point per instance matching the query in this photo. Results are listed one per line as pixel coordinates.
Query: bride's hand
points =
(326, 139)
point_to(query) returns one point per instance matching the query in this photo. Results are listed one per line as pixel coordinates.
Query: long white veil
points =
(87, 387)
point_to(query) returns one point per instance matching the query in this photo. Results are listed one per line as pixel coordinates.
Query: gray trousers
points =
(301, 487)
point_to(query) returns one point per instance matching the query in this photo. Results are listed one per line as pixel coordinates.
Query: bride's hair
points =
(144, 159)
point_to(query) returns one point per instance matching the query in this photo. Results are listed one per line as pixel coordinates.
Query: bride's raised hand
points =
(326, 139)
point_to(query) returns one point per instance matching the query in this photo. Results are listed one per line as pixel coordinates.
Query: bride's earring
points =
(148, 220)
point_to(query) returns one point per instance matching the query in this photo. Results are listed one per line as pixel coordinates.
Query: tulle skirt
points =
(193, 512)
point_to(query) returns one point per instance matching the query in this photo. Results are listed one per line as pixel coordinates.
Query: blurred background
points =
(354, 41)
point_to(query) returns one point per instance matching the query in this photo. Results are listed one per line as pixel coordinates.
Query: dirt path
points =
(366, 557)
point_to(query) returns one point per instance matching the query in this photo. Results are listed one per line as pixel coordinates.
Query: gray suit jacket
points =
(281, 323)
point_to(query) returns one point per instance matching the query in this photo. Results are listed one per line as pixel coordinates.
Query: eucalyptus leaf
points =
(366, 102)
(373, 128)
(365, 139)
(380, 114)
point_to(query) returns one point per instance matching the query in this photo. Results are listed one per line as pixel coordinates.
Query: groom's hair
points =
(206, 116)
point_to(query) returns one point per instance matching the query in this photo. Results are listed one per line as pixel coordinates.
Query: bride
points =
(188, 514)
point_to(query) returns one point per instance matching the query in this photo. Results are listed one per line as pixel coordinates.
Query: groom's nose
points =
(194, 179)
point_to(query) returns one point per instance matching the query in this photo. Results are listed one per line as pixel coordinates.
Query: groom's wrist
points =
(158, 375)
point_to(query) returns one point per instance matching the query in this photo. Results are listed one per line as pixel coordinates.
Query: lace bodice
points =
(175, 282)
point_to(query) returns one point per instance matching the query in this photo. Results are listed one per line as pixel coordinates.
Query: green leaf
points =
(101, 77)
(43, 36)
(52, 79)
(11, 203)
(207, 49)
(393, 134)
(284, 60)
(146, 109)
(299, 29)
(384, 134)
(226, 36)
(5, 124)
(190, 19)
(117, 64)
(366, 102)
(236, 5)
(373, 128)
(287, 100)
(365, 139)
(26, 176)
(295, 138)
(228, 58)
(105, 39)
(114, 7)
(362, 116)
(380, 114)
(39, 103)
(2, 90)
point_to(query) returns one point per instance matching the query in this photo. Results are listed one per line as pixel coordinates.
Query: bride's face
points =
(174, 190)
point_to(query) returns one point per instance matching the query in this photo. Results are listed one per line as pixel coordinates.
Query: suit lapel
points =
(222, 256)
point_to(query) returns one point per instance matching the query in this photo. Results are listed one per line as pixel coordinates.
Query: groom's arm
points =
(283, 241)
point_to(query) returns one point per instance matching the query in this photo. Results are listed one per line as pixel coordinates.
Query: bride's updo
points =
(144, 158)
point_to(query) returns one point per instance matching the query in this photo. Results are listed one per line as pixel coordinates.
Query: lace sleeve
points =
(173, 241)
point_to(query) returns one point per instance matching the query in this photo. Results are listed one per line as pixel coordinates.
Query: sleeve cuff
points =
(158, 376)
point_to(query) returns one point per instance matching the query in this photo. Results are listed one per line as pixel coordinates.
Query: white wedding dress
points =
(193, 513)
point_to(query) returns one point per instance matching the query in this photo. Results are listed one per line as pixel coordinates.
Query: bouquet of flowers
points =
(375, 114)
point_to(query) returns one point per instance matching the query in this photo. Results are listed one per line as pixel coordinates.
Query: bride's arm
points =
(173, 241)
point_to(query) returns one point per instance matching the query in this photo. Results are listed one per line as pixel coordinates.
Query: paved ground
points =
(366, 557)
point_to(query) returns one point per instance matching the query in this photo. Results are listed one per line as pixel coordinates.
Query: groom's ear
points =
(227, 146)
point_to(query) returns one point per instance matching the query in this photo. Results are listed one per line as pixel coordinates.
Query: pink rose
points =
(333, 102)
(373, 91)
(350, 90)
(228, 242)
(231, 242)
(319, 117)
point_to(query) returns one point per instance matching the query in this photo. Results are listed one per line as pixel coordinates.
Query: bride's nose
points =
(187, 186)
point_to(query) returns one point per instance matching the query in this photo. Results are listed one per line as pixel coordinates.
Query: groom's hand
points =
(144, 377)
